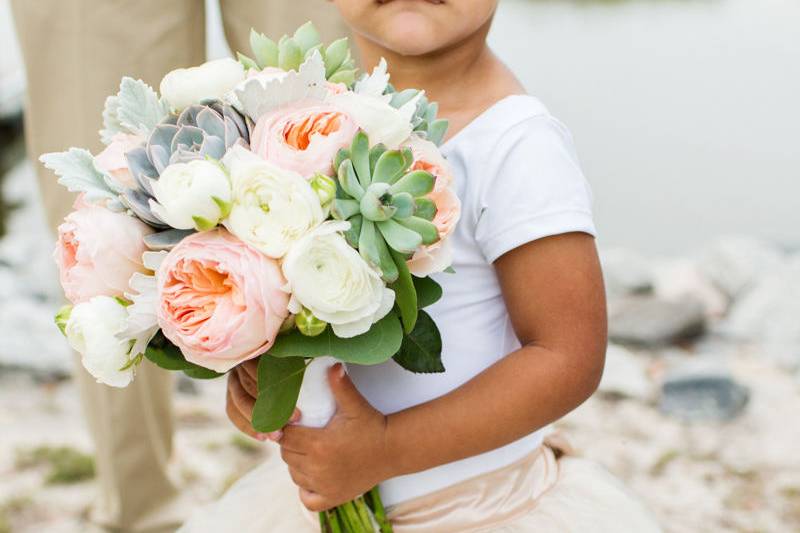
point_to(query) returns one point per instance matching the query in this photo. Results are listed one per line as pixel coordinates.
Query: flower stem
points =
(333, 521)
(379, 511)
(363, 512)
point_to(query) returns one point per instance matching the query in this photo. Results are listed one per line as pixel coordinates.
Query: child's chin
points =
(412, 38)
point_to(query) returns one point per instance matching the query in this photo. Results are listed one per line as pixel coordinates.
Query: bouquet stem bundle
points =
(361, 515)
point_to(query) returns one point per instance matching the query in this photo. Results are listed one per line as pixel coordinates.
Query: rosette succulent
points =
(424, 118)
(385, 203)
(200, 131)
(289, 52)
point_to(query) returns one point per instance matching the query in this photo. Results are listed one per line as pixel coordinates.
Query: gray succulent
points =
(201, 131)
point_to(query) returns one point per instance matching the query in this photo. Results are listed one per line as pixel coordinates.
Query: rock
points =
(651, 322)
(626, 272)
(735, 263)
(679, 279)
(625, 375)
(701, 392)
(768, 315)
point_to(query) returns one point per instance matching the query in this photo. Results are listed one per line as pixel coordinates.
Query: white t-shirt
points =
(518, 179)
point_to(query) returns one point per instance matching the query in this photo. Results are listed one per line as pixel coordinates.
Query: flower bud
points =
(325, 188)
(308, 324)
(62, 317)
(193, 195)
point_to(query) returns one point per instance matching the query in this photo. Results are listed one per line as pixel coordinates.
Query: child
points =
(523, 324)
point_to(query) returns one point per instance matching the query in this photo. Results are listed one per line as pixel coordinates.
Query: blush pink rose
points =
(303, 137)
(220, 301)
(112, 158)
(98, 251)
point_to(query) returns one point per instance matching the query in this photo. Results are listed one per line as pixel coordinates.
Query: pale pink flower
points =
(303, 137)
(98, 251)
(112, 158)
(438, 256)
(220, 301)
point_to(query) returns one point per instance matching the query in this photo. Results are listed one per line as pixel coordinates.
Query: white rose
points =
(186, 86)
(191, 195)
(92, 331)
(271, 208)
(382, 122)
(328, 277)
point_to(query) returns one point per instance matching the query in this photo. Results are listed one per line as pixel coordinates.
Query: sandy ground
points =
(739, 476)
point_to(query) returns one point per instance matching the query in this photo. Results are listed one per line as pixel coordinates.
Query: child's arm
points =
(553, 289)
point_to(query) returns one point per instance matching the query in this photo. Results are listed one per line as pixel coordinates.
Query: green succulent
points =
(199, 132)
(290, 52)
(385, 203)
(424, 119)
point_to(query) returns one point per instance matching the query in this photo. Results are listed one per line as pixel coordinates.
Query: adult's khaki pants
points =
(76, 52)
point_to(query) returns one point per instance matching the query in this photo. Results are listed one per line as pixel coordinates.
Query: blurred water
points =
(685, 113)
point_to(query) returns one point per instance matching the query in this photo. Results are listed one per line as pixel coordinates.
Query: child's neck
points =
(464, 79)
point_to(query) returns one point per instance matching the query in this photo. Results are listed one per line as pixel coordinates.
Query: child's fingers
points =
(314, 502)
(248, 383)
(243, 401)
(251, 367)
(236, 418)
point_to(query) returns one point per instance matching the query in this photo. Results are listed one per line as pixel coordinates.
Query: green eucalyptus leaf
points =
(349, 181)
(421, 350)
(307, 37)
(279, 381)
(426, 208)
(417, 183)
(428, 291)
(399, 237)
(389, 167)
(405, 293)
(264, 48)
(359, 154)
(375, 346)
(289, 55)
(426, 229)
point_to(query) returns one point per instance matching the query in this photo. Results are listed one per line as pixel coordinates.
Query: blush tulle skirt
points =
(549, 490)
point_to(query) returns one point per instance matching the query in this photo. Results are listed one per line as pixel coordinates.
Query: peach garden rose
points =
(437, 256)
(112, 158)
(303, 137)
(220, 300)
(98, 251)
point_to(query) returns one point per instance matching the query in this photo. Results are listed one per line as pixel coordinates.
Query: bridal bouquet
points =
(276, 207)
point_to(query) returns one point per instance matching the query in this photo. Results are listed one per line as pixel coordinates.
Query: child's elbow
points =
(593, 372)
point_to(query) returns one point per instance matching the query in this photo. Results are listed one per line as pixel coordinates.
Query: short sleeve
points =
(535, 189)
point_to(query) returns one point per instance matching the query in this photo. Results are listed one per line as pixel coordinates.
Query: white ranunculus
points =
(271, 207)
(329, 278)
(92, 331)
(186, 86)
(382, 122)
(186, 194)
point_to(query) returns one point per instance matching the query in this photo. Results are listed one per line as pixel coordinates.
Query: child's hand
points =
(341, 461)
